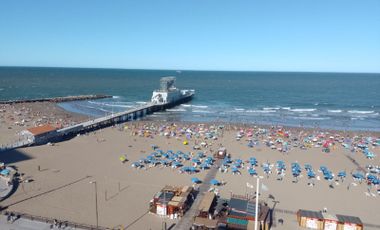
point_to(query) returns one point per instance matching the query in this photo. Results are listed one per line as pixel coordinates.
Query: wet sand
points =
(97, 155)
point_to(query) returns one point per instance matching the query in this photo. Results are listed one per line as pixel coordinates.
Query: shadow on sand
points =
(13, 156)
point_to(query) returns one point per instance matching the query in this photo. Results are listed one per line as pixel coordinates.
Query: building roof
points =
(242, 207)
(349, 219)
(41, 129)
(310, 214)
(206, 202)
(200, 221)
(328, 216)
(165, 197)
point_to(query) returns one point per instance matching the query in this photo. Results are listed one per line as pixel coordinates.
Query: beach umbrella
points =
(195, 180)
(196, 160)
(201, 154)
(310, 174)
(342, 174)
(136, 165)
(203, 166)
(214, 182)
(123, 158)
(252, 171)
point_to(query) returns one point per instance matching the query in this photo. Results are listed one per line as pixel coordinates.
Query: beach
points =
(62, 174)
(17, 117)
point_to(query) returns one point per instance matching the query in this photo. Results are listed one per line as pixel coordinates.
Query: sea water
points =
(344, 101)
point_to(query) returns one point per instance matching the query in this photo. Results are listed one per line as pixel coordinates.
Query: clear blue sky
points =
(278, 35)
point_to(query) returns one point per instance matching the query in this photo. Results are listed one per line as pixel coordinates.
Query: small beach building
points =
(206, 205)
(221, 153)
(310, 219)
(349, 222)
(172, 201)
(40, 134)
(241, 214)
(330, 221)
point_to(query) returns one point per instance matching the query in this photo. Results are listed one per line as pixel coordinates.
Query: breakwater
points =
(58, 99)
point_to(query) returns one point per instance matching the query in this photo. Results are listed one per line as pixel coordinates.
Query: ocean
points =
(342, 101)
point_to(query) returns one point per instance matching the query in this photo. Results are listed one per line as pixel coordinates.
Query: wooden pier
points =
(58, 99)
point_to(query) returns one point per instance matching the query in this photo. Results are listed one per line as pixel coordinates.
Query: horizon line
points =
(193, 70)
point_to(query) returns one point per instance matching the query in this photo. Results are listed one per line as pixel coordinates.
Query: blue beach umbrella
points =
(195, 180)
(252, 171)
(214, 182)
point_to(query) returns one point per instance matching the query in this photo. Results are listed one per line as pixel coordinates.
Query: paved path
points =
(187, 220)
(24, 224)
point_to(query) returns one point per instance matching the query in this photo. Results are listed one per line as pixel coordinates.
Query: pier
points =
(168, 96)
(58, 99)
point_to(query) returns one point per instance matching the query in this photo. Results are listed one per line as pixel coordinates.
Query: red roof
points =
(42, 129)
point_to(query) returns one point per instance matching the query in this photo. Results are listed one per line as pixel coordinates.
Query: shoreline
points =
(36, 113)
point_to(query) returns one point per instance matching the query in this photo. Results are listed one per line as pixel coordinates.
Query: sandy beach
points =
(63, 188)
(17, 117)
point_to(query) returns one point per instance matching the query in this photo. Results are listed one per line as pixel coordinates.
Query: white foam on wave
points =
(186, 105)
(239, 110)
(115, 97)
(360, 111)
(261, 111)
(176, 110)
(271, 108)
(285, 108)
(110, 105)
(201, 111)
(141, 102)
(312, 118)
(334, 111)
(200, 106)
(303, 110)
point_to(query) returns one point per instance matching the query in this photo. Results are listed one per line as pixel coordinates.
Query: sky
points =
(252, 35)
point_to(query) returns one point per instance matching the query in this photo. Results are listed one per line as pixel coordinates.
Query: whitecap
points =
(360, 111)
(285, 108)
(312, 118)
(176, 110)
(334, 111)
(261, 111)
(200, 106)
(303, 110)
(115, 97)
(141, 102)
(271, 108)
(186, 105)
(239, 110)
(201, 111)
